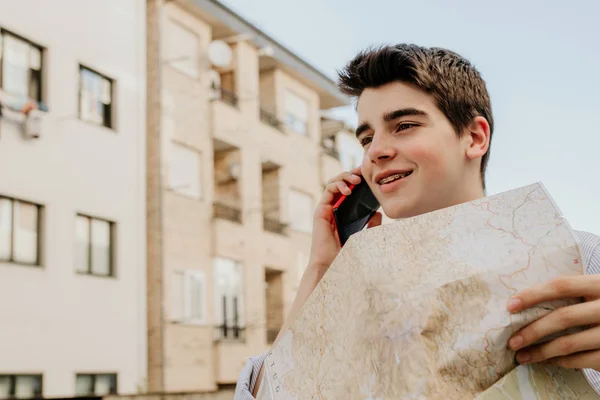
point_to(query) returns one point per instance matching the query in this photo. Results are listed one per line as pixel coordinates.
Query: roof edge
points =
(281, 53)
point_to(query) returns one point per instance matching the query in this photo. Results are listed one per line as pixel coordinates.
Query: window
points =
(300, 211)
(19, 231)
(21, 67)
(20, 386)
(189, 297)
(185, 171)
(95, 384)
(94, 246)
(182, 53)
(229, 297)
(95, 97)
(296, 113)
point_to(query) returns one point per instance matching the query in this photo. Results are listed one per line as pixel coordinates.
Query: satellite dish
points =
(219, 53)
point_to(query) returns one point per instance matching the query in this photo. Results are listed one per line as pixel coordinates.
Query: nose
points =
(380, 149)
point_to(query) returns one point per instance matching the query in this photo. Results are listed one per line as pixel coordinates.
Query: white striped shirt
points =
(590, 247)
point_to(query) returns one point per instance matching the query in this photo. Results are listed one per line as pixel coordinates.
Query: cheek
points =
(431, 157)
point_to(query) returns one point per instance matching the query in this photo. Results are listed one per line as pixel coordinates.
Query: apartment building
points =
(72, 198)
(237, 159)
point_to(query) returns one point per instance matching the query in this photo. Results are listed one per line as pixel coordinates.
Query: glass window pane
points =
(82, 242)
(5, 382)
(5, 228)
(15, 72)
(27, 386)
(84, 385)
(105, 384)
(100, 247)
(26, 233)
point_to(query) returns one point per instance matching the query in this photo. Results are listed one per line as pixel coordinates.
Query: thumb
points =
(375, 220)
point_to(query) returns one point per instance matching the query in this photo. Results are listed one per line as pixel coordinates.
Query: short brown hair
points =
(456, 86)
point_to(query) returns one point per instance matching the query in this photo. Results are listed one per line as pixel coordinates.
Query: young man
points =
(425, 122)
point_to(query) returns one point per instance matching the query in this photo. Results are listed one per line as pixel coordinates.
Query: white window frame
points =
(182, 310)
(105, 98)
(111, 247)
(10, 227)
(239, 294)
(34, 68)
(94, 381)
(187, 186)
(13, 385)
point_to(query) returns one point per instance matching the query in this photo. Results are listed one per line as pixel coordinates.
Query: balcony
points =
(227, 212)
(274, 226)
(271, 119)
(225, 95)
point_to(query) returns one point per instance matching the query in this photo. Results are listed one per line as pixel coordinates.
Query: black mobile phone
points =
(353, 212)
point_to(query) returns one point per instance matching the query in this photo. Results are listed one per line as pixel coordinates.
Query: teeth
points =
(394, 177)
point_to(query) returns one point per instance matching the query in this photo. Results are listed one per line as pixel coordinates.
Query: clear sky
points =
(541, 61)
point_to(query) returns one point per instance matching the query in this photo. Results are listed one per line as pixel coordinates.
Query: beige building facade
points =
(72, 201)
(237, 134)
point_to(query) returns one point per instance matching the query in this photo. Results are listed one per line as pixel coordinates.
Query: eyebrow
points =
(390, 116)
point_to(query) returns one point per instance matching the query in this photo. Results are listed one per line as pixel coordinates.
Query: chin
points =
(399, 210)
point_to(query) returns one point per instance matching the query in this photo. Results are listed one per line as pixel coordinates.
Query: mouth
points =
(393, 177)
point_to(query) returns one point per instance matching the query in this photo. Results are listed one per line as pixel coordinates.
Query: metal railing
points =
(226, 96)
(225, 332)
(271, 119)
(229, 213)
(274, 225)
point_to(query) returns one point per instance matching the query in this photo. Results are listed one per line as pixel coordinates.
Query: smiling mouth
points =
(394, 177)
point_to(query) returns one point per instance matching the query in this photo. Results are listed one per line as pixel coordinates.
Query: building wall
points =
(57, 322)
(193, 236)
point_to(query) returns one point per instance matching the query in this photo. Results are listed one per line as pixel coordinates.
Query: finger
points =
(558, 320)
(586, 340)
(332, 190)
(588, 359)
(375, 220)
(350, 177)
(556, 289)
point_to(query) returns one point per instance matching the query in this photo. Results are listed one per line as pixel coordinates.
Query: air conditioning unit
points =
(32, 125)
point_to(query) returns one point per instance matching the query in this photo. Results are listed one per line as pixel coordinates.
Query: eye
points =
(366, 140)
(404, 126)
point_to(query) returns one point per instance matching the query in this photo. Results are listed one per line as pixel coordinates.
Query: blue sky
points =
(541, 61)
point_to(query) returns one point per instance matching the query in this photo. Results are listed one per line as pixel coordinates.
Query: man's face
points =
(414, 161)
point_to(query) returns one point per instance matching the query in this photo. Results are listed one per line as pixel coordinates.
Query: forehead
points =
(375, 102)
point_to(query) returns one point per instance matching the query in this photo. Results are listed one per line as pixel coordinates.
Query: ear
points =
(477, 136)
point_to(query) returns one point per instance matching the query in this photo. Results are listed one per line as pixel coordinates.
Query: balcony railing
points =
(271, 119)
(274, 225)
(225, 332)
(226, 96)
(229, 213)
(272, 335)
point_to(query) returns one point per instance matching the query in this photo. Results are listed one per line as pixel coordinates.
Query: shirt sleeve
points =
(248, 377)
(591, 252)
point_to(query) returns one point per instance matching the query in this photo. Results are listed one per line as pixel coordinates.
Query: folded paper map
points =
(415, 309)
